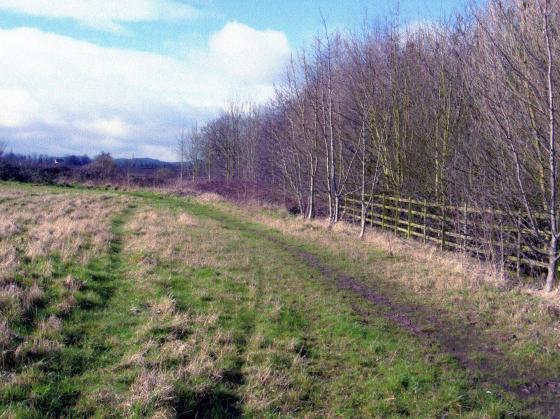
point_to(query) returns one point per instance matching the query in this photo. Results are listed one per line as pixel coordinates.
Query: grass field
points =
(145, 305)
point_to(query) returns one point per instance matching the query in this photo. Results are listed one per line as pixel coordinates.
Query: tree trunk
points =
(363, 182)
(336, 210)
(311, 207)
(552, 263)
(363, 219)
(301, 205)
(181, 175)
(553, 247)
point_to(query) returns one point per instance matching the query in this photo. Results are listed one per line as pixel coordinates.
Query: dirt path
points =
(472, 350)
(541, 393)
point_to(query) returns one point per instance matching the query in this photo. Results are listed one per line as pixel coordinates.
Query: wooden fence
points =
(491, 235)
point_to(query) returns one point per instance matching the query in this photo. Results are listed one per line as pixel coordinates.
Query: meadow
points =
(146, 304)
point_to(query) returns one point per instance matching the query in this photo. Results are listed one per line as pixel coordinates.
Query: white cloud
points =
(87, 96)
(112, 127)
(103, 14)
(16, 107)
(248, 53)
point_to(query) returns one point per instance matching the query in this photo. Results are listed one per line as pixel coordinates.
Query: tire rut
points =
(542, 395)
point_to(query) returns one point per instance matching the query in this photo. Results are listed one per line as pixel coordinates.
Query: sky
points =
(127, 76)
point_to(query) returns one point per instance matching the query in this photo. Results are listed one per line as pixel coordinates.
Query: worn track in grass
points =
(484, 362)
(542, 393)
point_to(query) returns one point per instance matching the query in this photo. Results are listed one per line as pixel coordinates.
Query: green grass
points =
(505, 330)
(349, 367)
(54, 385)
(247, 330)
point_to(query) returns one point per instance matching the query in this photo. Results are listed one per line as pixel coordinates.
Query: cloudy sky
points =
(84, 76)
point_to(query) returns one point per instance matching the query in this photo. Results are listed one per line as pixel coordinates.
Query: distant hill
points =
(145, 163)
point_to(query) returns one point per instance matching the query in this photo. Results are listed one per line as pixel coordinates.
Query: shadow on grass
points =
(217, 402)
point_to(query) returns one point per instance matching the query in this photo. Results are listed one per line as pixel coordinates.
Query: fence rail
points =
(489, 234)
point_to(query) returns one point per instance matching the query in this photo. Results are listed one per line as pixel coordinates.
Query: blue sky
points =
(81, 76)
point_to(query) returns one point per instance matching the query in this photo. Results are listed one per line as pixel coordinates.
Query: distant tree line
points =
(35, 167)
(43, 160)
(103, 168)
(458, 113)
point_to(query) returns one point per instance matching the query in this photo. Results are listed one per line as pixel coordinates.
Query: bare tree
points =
(552, 160)
(182, 154)
(515, 84)
(462, 113)
(194, 151)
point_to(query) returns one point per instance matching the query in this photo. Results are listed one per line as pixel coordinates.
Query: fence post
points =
(383, 212)
(425, 216)
(518, 255)
(409, 231)
(443, 227)
(492, 228)
(465, 227)
(502, 246)
(397, 214)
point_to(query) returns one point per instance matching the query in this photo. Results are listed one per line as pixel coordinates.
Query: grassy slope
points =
(209, 317)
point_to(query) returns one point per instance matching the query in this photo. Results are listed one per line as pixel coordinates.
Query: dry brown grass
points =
(10, 193)
(32, 296)
(210, 197)
(204, 363)
(165, 236)
(178, 356)
(36, 227)
(188, 342)
(8, 261)
(422, 267)
(50, 328)
(72, 284)
(138, 358)
(152, 389)
(186, 220)
(162, 308)
(10, 302)
(175, 350)
(8, 228)
(73, 226)
(33, 348)
(67, 304)
(188, 346)
(5, 334)
(266, 385)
